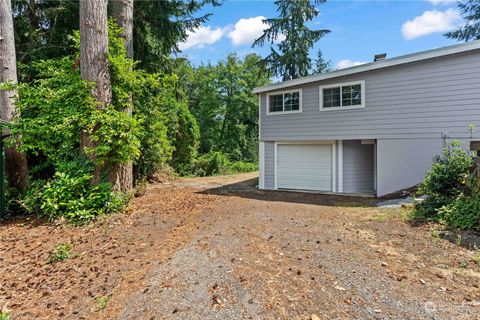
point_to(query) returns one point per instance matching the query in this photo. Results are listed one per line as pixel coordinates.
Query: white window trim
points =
(284, 92)
(336, 85)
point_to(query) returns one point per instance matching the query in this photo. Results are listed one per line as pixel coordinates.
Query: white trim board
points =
(300, 101)
(409, 58)
(340, 85)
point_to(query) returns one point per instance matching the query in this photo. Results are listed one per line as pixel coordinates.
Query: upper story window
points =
(284, 102)
(342, 96)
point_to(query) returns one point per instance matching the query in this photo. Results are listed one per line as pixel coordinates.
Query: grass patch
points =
(102, 302)
(60, 253)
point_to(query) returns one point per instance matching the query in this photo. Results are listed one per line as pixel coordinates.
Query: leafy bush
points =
(70, 195)
(463, 212)
(212, 163)
(217, 163)
(445, 182)
(241, 166)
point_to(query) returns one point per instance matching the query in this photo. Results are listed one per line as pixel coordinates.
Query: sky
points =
(359, 29)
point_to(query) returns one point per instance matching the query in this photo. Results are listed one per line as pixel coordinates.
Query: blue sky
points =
(359, 29)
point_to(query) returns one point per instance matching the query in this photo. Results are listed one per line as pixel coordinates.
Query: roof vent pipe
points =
(380, 57)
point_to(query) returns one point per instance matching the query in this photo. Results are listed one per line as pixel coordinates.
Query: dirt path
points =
(215, 248)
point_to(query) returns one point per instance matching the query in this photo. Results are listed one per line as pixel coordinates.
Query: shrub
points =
(70, 195)
(216, 163)
(212, 163)
(241, 166)
(463, 212)
(445, 182)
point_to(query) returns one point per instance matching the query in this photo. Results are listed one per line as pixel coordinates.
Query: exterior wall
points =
(420, 100)
(269, 165)
(358, 167)
(402, 163)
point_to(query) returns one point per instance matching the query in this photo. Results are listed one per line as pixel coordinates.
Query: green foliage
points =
(321, 65)
(463, 212)
(217, 163)
(153, 104)
(470, 30)
(292, 59)
(222, 100)
(159, 26)
(5, 315)
(185, 138)
(444, 182)
(60, 253)
(102, 303)
(70, 195)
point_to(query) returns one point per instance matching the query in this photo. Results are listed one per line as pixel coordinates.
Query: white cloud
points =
(347, 63)
(201, 37)
(435, 2)
(430, 22)
(246, 31)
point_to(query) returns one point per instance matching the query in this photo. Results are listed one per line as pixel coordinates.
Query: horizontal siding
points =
(269, 165)
(422, 100)
(402, 163)
(358, 167)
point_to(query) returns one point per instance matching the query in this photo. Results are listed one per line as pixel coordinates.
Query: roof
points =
(409, 58)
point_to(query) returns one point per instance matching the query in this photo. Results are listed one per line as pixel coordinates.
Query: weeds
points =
(476, 257)
(60, 253)
(102, 302)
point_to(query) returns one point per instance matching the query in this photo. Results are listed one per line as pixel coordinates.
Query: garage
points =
(305, 167)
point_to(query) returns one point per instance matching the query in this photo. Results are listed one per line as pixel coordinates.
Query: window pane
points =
(357, 94)
(276, 103)
(292, 101)
(351, 95)
(331, 97)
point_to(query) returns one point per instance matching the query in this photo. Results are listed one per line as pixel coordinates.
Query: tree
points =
(159, 26)
(226, 110)
(122, 13)
(16, 163)
(292, 59)
(321, 65)
(470, 10)
(94, 62)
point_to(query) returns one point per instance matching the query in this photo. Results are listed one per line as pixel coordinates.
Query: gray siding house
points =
(371, 129)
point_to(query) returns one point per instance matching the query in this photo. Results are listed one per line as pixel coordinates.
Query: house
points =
(371, 129)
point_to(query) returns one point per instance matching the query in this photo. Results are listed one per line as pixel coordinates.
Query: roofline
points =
(409, 58)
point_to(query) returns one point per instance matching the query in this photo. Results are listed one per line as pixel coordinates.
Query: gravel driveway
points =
(216, 248)
(261, 255)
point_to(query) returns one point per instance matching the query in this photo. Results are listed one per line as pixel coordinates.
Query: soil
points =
(217, 248)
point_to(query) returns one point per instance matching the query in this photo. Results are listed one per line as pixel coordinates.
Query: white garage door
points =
(304, 167)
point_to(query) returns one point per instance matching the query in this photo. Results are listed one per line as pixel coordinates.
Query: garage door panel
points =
(304, 167)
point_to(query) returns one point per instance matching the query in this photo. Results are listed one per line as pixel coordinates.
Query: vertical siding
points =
(269, 165)
(358, 167)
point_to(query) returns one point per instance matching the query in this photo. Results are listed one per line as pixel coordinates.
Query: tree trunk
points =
(94, 60)
(121, 11)
(16, 162)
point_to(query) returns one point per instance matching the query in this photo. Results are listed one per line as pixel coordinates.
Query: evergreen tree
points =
(470, 10)
(292, 59)
(321, 65)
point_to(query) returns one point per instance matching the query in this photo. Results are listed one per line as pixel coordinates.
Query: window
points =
(285, 102)
(342, 96)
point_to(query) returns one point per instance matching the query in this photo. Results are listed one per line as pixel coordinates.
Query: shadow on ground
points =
(248, 189)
